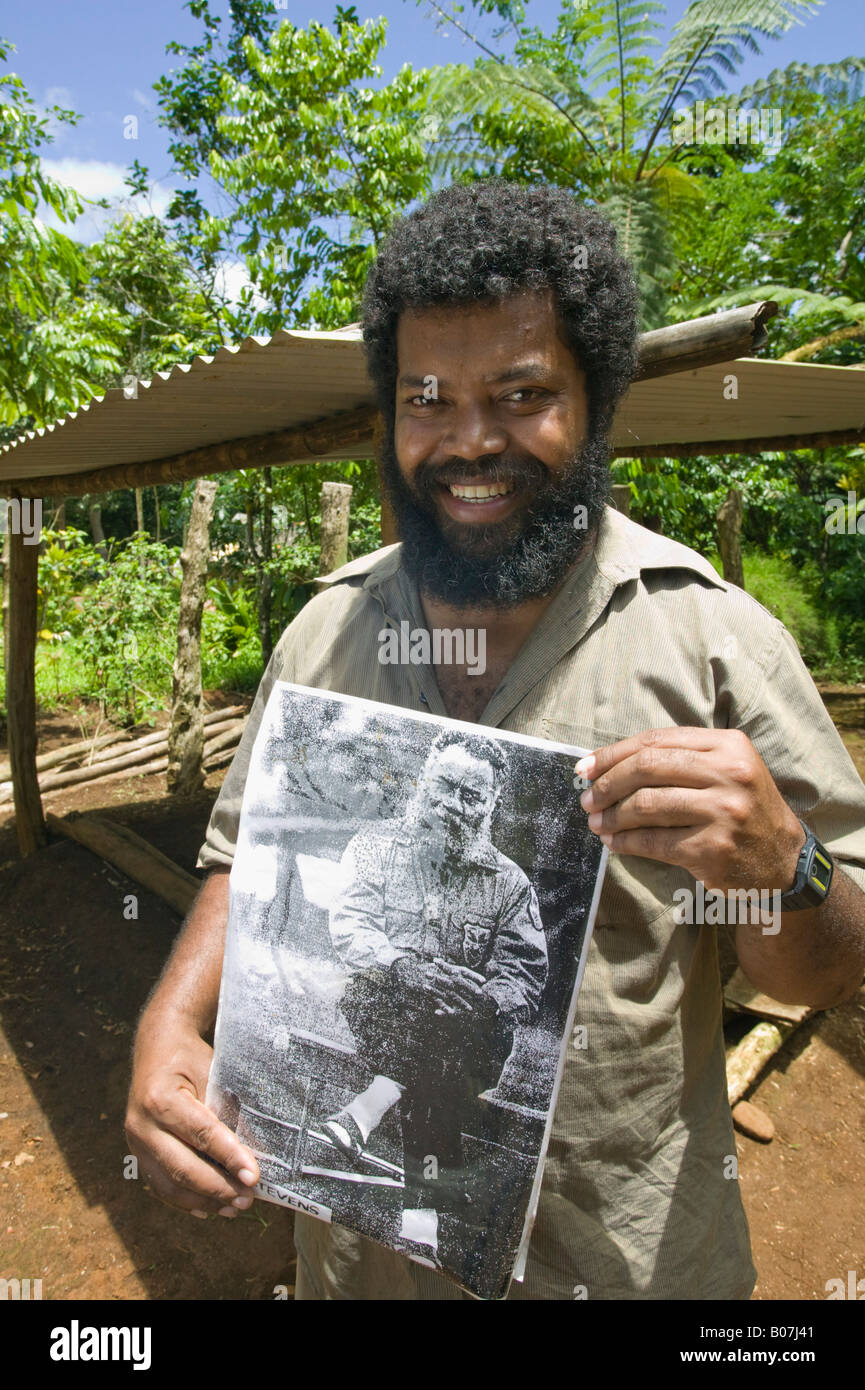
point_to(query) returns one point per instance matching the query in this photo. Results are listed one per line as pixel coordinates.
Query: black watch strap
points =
(813, 875)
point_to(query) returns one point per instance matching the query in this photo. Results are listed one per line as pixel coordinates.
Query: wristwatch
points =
(813, 875)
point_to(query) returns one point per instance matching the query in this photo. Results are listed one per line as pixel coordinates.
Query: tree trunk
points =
(21, 691)
(186, 732)
(729, 519)
(139, 510)
(4, 591)
(261, 558)
(265, 587)
(335, 505)
(156, 510)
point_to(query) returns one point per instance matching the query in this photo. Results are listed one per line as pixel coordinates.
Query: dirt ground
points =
(74, 974)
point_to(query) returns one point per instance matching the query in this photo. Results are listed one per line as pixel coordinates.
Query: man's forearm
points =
(818, 955)
(189, 984)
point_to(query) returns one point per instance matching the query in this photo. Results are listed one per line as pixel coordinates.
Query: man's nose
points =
(473, 431)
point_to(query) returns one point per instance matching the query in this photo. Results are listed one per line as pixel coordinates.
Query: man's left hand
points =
(702, 799)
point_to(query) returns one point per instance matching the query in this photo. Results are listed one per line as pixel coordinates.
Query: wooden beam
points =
(709, 447)
(702, 342)
(135, 857)
(21, 692)
(679, 347)
(296, 445)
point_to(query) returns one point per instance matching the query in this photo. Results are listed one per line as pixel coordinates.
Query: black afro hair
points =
(483, 241)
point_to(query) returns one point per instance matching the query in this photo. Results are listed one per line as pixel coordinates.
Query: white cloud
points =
(100, 178)
(59, 96)
(92, 178)
(231, 278)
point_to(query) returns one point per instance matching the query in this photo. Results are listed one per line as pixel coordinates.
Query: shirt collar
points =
(622, 551)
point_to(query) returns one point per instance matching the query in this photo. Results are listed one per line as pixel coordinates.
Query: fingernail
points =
(607, 839)
(585, 764)
(242, 1203)
(586, 799)
(202, 1215)
(246, 1175)
(596, 820)
(228, 1211)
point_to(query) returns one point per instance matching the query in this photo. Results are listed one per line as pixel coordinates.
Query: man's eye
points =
(525, 393)
(422, 400)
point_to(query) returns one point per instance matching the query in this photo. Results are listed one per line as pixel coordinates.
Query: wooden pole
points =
(21, 692)
(186, 732)
(750, 1056)
(775, 443)
(621, 498)
(701, 342)
(118, 845)
(311, 441)
(335, 507)
(729, 522)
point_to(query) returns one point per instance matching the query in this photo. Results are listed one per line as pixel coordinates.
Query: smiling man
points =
(500, 327)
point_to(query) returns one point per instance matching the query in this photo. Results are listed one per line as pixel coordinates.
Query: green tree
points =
(793, 230)
(309, 163)
(47, 365)
(589, 107)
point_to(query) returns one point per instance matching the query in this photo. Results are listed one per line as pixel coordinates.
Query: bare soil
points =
(74, 974)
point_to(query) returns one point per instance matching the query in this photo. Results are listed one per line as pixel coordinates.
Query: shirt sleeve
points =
(517, 967)
(790, 727)
(357, 916)
(221, 836)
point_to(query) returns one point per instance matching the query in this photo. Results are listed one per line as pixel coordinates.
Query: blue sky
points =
(101, 58)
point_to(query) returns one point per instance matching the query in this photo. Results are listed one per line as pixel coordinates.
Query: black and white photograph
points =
(411, 905)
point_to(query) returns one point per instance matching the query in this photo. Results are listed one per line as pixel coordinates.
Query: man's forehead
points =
(459, 759)
(525, 317)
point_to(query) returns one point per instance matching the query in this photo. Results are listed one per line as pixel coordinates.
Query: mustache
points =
(521, 470)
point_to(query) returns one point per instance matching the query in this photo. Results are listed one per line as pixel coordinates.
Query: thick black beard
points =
(509, 562)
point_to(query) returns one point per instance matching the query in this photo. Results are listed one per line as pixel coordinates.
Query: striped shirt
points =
(637, 1200)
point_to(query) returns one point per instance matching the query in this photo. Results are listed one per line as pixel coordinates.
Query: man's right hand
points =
(454, 989)
(168, 1127)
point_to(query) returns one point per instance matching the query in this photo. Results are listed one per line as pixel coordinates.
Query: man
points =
(500, 330)
(445, 940)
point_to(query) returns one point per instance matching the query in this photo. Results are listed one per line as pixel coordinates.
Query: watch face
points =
(820, 871)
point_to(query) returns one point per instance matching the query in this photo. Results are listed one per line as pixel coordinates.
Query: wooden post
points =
(729, 519)
(335, 505)
(621, 498)
(186, 732)
(21, 691)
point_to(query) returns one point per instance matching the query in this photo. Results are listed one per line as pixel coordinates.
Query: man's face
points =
(489, 449)
(459, 794)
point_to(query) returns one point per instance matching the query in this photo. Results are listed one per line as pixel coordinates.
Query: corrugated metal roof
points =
(296, 377)
(772, 399)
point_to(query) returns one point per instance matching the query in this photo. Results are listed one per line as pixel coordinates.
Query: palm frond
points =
(806, 301)
(644, 237)
(842, 82)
